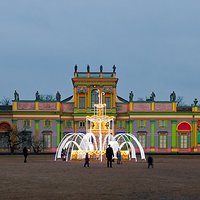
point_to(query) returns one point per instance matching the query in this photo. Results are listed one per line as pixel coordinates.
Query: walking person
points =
(150, 161)
(25, 152)
(109, 156)
(87, 160)
(119, 157)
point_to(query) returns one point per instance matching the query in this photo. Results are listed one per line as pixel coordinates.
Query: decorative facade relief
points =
(47, 106)
(82, 89)
(122, 108)
(68, 108)
(26, 106)
(107, 89)
(142, 107)
(163, 107)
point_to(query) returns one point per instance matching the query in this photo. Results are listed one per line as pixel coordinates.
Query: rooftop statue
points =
(37, 96)
(195, 102)
(173, 96)
(58, 96)
(152, 97)
(75, 68)
(16, 96)
(101, 68)
(114, 68)
(88, 68)
(131, 96)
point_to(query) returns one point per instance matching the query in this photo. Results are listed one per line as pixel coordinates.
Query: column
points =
(152, 124)
(37, 127)
(174, 135)
(131, 126)
(58, 129)
(194, 134)
(14, 131)
(114, 98)
(62, 128)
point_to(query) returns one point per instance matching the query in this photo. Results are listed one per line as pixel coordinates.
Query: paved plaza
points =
(173, 177)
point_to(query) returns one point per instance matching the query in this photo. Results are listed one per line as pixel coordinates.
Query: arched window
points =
(94, 98)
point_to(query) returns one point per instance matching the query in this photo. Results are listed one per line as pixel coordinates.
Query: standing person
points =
(87, 160)
(109, 156)
(150, 161)
(25, 152)
(119, 157)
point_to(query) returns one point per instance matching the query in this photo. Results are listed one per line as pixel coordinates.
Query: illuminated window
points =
(47, 124)
(47, 140)
(183, 141)
(81, 102)
(142, 139)
(142, 123)
(162, 141)
(81, 124)
(27, 124)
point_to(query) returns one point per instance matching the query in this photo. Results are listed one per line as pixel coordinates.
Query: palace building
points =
(160, 126)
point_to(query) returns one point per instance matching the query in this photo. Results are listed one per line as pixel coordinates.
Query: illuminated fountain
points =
(99, 133)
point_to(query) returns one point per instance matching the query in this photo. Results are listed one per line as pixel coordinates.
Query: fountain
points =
(99, 133)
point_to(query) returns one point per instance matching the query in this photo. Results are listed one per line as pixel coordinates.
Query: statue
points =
(173, 96)
(88, 68)
(101, 68)
(37, 96)
(114, 68)
(152, 97)
(16, 96)
(195, 102)
(58, 96)
(75, 68)
(131, 96)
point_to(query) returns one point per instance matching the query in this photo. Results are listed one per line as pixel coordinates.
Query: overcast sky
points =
(154, 44)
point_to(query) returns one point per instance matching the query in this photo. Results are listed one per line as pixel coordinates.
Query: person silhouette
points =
(150, 161)
(87, 160)
(25, 152)
(119, 157)
(109, 156)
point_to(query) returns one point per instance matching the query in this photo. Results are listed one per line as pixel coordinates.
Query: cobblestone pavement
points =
(173, 177)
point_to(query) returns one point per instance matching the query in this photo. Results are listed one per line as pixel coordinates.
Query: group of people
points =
(110, 158)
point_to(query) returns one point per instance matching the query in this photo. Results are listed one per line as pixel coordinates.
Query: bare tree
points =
(180, 101)
(37, 145)
(47, 97)
(5, 101)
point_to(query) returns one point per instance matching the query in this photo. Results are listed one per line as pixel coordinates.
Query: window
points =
(121, 124)
(142, 123)
(47, 140)
(183, 141)
(69, 124)
(81, 124)
(162, 123)
(27, 124)
(4, 139)
(47, 124)
(94, 98)
(108, 102)
(198, 137)
(81, 102)
(162, 141)
(142, 139)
